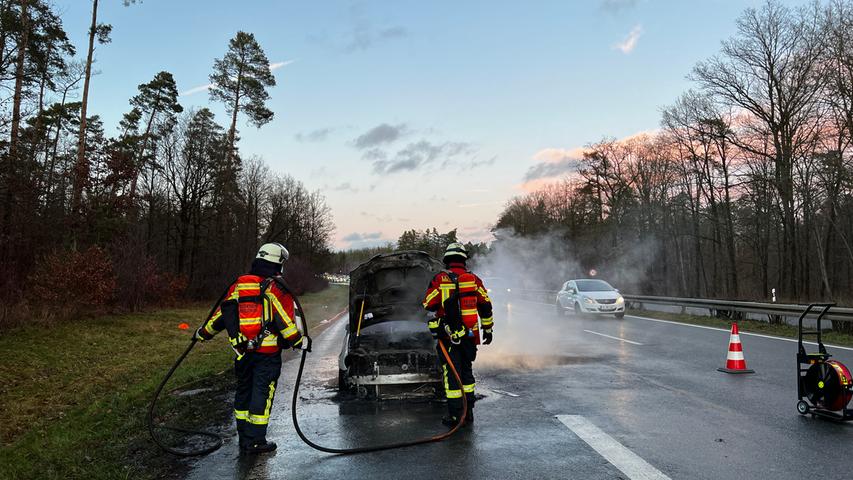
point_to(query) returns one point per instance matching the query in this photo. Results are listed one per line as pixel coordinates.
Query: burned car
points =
(388, 350)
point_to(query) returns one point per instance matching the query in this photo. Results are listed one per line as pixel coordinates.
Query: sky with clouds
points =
(413, 114)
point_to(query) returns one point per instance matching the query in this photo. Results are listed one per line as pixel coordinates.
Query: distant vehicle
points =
(498, 288)
(388, 350)
(590, 296)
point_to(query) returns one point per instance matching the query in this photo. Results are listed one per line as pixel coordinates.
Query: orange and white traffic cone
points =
(735, 363)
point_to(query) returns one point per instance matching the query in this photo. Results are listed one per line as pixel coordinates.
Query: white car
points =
(590, 296)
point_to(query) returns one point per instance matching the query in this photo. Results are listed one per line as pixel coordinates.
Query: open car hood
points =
(392, 287)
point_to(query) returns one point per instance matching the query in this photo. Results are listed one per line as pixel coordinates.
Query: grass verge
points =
(74, 395)
(754, 326)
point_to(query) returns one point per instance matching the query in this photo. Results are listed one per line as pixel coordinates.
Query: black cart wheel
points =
(802, 407)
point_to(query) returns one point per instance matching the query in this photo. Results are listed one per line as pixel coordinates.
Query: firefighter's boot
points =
(256, 448)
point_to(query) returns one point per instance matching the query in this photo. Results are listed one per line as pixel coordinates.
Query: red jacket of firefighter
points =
(474, 300)
(244, 306)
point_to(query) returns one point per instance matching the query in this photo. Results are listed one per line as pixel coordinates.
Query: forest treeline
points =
(746, 187)
(168, 206)
(429, 240)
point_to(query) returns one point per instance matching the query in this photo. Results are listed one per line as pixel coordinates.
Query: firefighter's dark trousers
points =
(257, 377)
(462, 356)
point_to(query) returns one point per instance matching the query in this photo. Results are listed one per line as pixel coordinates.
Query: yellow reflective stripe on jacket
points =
(433, 323)
(467, 284)
(250, 321)
(468, 388)
(484, 293)
(241, 414)
(290, 331)
(487, 322)
(469, 311)
(429, 297)
(280, 309)
(208, 327)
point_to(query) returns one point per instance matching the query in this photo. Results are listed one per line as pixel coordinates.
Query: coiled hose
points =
(339, 451)
(149, 418)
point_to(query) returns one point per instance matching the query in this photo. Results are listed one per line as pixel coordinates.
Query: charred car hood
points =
(392, 287)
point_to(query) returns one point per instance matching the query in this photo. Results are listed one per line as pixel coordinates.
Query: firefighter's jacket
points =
(473, 297)
(245, 309)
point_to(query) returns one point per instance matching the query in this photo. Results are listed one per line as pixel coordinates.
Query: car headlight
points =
(620, 300)
(588, 300)
(508, 290)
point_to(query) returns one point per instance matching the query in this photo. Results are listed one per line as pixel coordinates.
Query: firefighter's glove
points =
(487, 336)
(198, 336)
(303, 343)
(433, 325)
(239, 344)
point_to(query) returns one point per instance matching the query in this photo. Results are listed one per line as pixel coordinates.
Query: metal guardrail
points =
(844, 314)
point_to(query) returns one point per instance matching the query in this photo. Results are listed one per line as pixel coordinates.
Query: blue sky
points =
(413, 114)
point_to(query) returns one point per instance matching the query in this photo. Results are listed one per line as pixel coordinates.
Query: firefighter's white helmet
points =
(273, 252)
(455, 250)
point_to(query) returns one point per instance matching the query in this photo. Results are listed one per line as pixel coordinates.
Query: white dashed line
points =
(628, 462)
(614, 338)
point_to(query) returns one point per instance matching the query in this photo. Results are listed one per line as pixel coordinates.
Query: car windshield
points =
(593, 286)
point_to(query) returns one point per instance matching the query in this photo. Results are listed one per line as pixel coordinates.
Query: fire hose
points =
(339, 451)
(149, 418)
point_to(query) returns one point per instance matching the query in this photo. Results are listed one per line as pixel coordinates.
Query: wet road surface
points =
(636, 398)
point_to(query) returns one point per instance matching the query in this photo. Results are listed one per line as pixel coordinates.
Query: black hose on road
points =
(340, 451)
(149, 418)
(372, 448)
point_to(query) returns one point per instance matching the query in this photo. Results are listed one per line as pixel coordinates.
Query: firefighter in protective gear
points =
(258, 315)
(457, 298)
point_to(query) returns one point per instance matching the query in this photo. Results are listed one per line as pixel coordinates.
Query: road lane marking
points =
(501, 392)
(614, 452)
(772, 337)
(614, 338)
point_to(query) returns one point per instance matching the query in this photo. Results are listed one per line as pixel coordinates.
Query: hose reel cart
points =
(824, 386)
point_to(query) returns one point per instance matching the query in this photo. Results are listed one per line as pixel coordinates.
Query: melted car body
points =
(388, 350)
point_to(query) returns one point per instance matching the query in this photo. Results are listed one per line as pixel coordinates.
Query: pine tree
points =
(239, 81)
(157, 100)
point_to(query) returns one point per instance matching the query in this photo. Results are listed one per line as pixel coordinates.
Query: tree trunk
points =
(19, 82)
(142, 150)
(81, 168)
(232, 132)
(12, 173)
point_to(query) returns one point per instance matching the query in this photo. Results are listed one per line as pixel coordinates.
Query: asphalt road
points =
(567, 397)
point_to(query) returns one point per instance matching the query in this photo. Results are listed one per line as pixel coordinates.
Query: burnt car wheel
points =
(342, 381)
